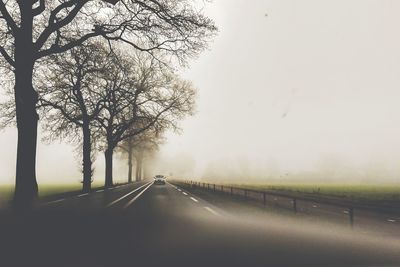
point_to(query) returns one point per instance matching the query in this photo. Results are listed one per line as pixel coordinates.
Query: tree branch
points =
(40, 9)
(10, 21)
(61, 109)
(6, 56)
(56, 49)
(55, 25)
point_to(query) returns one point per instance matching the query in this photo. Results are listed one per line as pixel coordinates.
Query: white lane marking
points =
(179, 190)
(314, 206)
(346, 212)
(195, 200)
(173, 186)
(138, 195)
(275, 198)
(391, 220)
(211, 210)
(98, 191)
(184, 193)
(55, 201)
(82, 195)
(125, 196)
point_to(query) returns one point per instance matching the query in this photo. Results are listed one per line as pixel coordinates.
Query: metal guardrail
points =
(262, 196)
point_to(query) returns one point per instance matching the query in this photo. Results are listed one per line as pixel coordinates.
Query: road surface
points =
(364, 221)
(149, 225)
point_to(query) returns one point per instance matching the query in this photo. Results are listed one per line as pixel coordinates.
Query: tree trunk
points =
(109, 165)
(26, 188)
(130, 164)
(26, 98)
(140, 167)
(144, 171)
(87, 159)
(137, 169)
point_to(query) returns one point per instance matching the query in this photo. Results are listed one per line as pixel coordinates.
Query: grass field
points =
(6, 191)
(351, 191)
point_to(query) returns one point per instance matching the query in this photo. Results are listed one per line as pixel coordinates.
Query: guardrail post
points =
(214, 187)
(208, 186)
(222, 188)
(351, 216)
(295, 205)
(245, 193)
(231, 190)
(264, 199)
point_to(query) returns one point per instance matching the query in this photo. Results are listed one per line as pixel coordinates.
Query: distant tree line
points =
(99, 73)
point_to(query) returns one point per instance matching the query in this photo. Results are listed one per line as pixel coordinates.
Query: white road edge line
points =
(98, 191)
(55, 201)
(173, 186)
(195, 200)
(138, 195)
(125, 196)
(82, 195)
(212, 211)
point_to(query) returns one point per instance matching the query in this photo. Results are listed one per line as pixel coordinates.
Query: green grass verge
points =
(6, 191)
(351, 191)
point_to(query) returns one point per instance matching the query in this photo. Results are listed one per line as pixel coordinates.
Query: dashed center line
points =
(346, 212)
(184, 193)
(314, 206)
(211, 210)
(179, 190)
(98, 191)
(82, 195)
(195, 200)
(391, 220)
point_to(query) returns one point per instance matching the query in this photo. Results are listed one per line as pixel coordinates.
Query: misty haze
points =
(229, 131)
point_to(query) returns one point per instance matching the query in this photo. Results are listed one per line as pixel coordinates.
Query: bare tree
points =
(142, 151)
(70, 99)
(140, 94)
(30, 30)
(137, 146)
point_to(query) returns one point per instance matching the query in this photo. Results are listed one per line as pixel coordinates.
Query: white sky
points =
(313, 81)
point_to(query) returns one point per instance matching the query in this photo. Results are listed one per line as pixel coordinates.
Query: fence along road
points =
(309, 205)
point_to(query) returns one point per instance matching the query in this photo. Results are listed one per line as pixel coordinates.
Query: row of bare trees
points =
(137, 148)
(86, 90)
(99, 98)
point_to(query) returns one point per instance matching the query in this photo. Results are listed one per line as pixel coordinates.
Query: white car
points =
(159, 179)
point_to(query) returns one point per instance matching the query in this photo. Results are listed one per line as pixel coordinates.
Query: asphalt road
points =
(154, 225)
(364, 221)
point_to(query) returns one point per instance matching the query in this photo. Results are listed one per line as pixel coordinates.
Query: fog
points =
(288, 90)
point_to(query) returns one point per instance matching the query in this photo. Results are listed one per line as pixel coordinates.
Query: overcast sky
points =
(290, 84)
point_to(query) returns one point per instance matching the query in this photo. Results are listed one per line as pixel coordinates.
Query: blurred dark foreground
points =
(130, 238)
